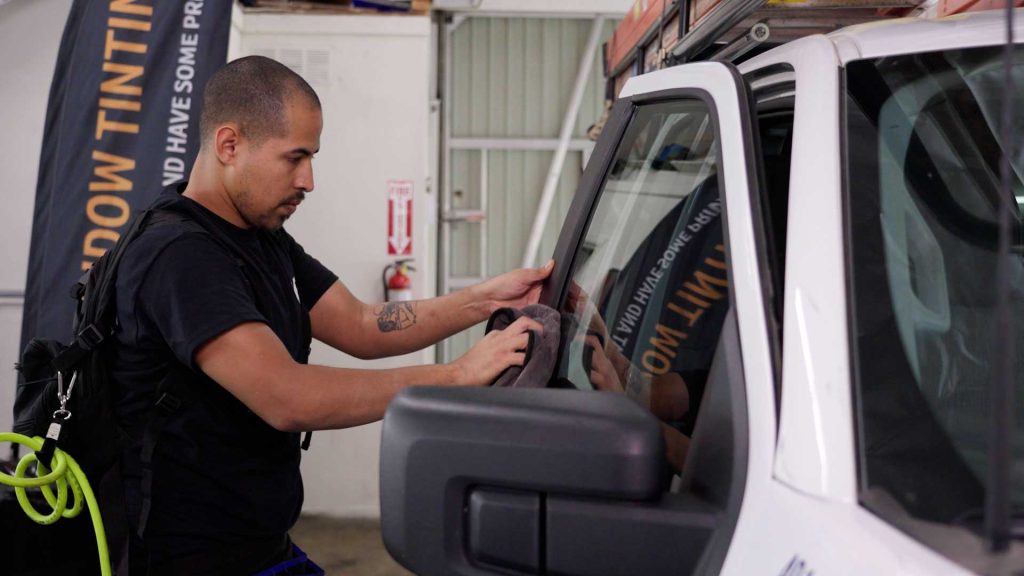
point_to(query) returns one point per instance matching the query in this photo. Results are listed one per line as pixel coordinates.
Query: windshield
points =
(923, 153)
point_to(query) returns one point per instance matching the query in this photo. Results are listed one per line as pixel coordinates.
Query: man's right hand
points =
(495, 352)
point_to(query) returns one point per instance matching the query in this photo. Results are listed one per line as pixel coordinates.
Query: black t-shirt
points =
(221, 475)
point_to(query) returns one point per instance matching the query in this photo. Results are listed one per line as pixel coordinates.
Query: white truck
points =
(779, 279)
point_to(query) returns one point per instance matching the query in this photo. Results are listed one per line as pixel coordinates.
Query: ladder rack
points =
(659, 33)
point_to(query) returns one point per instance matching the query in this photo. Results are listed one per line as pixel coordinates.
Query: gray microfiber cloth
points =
(541, 352)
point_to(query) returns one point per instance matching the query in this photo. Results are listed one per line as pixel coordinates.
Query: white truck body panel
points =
(914, 35)
(815, 452)
(800, 512)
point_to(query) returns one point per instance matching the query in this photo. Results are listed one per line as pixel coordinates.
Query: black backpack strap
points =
(170, 398)
(90, 328)
(136, 560)
(85, 342)
(169, 401)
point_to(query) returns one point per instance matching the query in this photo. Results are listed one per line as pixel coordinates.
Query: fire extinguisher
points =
(398, 288)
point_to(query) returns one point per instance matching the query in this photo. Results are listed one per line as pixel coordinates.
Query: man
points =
(222, 342)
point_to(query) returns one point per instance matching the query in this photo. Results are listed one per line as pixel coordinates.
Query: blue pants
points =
(298, 565)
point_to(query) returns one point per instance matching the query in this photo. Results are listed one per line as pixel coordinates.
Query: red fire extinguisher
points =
(398, 288)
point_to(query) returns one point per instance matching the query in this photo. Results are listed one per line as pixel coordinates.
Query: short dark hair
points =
(251, 91)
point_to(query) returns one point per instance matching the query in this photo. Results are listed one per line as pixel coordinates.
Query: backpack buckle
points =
(89, 337)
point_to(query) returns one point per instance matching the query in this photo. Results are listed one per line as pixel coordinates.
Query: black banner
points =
(122, 122)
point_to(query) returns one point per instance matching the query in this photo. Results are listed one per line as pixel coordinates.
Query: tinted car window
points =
(923, 189)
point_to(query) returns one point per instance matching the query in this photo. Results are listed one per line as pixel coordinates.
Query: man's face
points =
(276, 173)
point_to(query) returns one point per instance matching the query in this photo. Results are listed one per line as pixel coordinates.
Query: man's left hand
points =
(514, 289)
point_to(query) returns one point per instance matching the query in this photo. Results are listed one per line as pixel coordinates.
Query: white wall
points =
(374, 89)
(30, 32)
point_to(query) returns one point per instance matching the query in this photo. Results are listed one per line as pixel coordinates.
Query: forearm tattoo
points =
(395, 316)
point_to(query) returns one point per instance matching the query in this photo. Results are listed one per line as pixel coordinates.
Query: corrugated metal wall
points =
(513, 78)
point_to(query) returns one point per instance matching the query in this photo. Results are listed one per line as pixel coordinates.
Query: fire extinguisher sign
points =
(399, 217)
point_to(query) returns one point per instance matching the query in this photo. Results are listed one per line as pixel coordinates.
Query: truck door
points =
(634, 458)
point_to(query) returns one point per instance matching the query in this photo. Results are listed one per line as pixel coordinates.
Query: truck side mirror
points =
(532, 481)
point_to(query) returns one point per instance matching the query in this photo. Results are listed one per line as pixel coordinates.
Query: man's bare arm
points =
(253, 365)
(366, 331)
(342, 321)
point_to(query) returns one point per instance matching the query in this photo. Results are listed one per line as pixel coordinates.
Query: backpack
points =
(68, 384)
(51, 371)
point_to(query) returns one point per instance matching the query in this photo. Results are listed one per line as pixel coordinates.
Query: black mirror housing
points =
(450, 454)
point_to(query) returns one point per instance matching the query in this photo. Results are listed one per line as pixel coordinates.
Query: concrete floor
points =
(345, 546)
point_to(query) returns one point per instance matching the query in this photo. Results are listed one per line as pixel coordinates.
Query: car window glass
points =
(923, 187)
(774, 91)
(649, 288)
(776, 133)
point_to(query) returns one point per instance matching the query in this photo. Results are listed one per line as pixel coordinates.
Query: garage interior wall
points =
(29, 38)
(512, 79)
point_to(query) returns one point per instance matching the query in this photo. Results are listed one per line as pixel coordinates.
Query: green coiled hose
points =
(66, 473)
